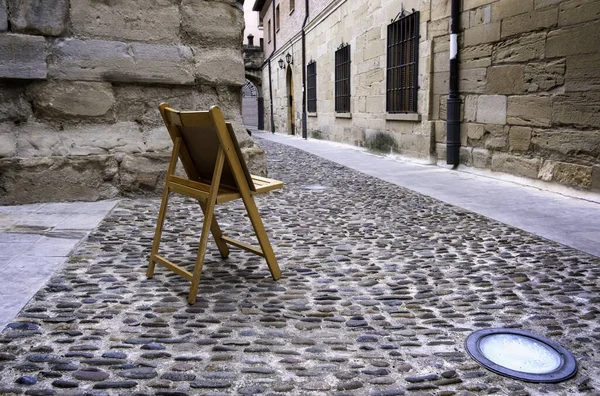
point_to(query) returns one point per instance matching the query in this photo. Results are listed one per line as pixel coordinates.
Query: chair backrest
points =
(202, 134)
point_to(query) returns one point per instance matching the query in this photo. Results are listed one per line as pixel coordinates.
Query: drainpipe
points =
(304, 133)
(453, 102)
(271, 97)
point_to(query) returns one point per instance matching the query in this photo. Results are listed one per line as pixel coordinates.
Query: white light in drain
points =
(520, 353)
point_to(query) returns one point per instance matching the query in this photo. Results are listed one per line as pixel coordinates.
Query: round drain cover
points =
(521, 355)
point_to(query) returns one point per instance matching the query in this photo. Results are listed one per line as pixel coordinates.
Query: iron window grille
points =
(342, 79)
(311, 87)
(402, 63)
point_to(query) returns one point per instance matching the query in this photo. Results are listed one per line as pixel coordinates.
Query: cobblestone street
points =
(380, 287)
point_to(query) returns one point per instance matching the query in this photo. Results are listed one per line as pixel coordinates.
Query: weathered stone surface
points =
(71, 99)
(582, 73)
(577, 11)
(496, 137)
(212, 23)
(482, 158)
(596, 178)
(57, 179)
(471, 80)
(44, 17)
(507, 8)
(521, 166)
(482, 34)
(15, 106)
(566, 143)
(519, 138)
(529, 110)
(544, 76)
(255, 159)
(561, 42)
(143, 173)
(3, 16)
(223, 66)
(520, 49)
(22, 56)
(474, 131)
(577, 108)
(506, 80)
(154, 21)
(530, 21)
(8, 140)
(97, 60)
(573, 175)
(40, 140)
(491, 109)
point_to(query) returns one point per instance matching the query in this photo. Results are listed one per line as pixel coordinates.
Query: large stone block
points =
(529, 110)
(56, 179)
(97, 60)
(519, 138)
(491, 109)
(508, 8)
(530, 21)
(221, 66)
(505, 80)
(212, 23)
(577, 108)
(143, 173)
(583, 73)
(57, 99)
(3, 16)
(578, 11)
(567, 144)
(152, 21)
(44, 17)
(544, 76)
(520, 49)
(22, 56)
(480, 34)
(482, 158)
(521, 166)
(472, 80)
(573, 175)
(579, 39)
(8, 140)
(496, 137)
(40, 140)
(15, 106)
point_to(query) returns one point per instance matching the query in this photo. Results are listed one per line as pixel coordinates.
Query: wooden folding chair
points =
(217, 173)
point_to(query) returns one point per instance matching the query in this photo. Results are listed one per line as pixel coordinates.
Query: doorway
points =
(291, 122)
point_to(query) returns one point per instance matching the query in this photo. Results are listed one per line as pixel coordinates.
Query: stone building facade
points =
(81, 82)
(528, 81)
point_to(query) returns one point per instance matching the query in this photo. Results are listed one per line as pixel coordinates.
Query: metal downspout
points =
(270, 77)
(304, 118)
(453, 102)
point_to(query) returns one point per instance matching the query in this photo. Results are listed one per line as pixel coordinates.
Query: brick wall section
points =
(79, 119)
(530, 86)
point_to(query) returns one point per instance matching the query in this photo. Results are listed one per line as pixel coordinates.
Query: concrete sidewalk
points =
(572, 221)
(35, 240)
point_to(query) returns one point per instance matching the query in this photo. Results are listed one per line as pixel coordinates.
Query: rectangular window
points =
(277, 18)
(342, 79)
(311, 87)
(292, 5)
(402, 65)
(269, 31)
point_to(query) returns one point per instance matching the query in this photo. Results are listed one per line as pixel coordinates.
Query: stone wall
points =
(81, 82)
(530, 85)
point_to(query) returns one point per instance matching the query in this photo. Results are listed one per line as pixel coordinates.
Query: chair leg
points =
(208, 221)
(158, 233)
(261, 234)
(217, 234)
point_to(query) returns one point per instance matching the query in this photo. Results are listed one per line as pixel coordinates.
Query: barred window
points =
(342, 79)
(277, 18)
(402, 65)
(311, 87)
(269, 31)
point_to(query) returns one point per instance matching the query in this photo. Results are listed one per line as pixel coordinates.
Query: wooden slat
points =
(244, 246)
(190, 183)
(173, 267)
(188, 191)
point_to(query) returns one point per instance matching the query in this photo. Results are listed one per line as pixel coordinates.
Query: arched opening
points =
(250, 111)
(291, 122)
